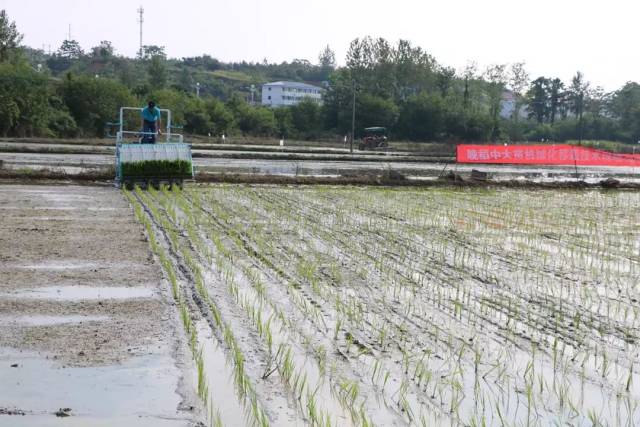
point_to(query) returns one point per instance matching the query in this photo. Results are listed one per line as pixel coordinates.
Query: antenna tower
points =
(141, 21)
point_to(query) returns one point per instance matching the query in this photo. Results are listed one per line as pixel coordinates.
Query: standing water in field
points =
(427, 307)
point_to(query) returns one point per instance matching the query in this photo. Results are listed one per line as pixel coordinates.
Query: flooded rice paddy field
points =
(358, 165)
(372, 306)
(86, 322)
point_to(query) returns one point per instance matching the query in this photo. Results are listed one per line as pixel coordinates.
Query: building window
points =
(269, 97)
(269, 89)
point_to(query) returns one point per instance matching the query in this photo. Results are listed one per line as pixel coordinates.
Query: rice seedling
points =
(481, 307)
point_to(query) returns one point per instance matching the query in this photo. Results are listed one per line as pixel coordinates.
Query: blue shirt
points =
(151, 115)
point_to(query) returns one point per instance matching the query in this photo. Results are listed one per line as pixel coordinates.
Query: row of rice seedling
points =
(158, 250)
(348, 310)
(163, 209)
(157, 168)
(309, 388)
(423, 307)
(477, 289)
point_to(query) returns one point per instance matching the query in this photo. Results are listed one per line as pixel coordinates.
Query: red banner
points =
(562, 154)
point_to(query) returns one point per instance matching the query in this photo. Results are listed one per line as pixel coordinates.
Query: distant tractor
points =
(373, 139)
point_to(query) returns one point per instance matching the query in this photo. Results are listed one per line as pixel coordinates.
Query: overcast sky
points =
(554, 37)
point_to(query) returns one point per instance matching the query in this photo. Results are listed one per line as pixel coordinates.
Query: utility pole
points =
(69, 33)
(141, 21)
(353, 117)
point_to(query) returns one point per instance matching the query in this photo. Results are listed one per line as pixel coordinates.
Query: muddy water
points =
(137, 393)
(219, 379)
(303, 361)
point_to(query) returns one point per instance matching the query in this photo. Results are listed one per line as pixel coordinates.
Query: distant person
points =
(151, 123)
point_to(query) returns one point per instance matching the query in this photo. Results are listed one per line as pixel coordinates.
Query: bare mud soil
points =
(374, 306)
(86, 320)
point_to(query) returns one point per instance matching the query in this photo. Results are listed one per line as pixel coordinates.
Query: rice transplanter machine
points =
(166, 162)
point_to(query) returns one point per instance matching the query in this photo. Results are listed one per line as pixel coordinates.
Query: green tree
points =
(337, 101)
(556, 99)
(70, 49)
(327, 58)
(373, 110)
(24, 101)
(422, 118)
(414, 70)
(538, 99)
(577, 93)
(284, 121)
(9, 112)
(257, 121)
(306, 117)
(222, 120)
(197, 121)
(496, 80)
(125, 72)
(150, 51)
(104, 51)
(157, 72)
(327, 62)
(185, 80)
(177, 101)
(597, 101)
(469, 74)
(444, 80)
(10, 38)
(93, 102)
(390, 72)
(625, 105)
(60, 122)
(518, 82)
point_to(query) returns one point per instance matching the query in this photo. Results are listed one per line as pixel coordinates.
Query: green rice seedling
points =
(156, 169)
(504, 285)
(203, 391)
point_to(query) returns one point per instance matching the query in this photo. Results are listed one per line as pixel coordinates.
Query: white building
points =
(277, 94)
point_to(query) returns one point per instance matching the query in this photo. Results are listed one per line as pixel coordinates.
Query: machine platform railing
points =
(169, 136)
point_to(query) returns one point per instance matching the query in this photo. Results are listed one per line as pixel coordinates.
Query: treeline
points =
(71, 92)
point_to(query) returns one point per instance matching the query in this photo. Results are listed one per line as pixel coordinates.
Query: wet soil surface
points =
(86, 321)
